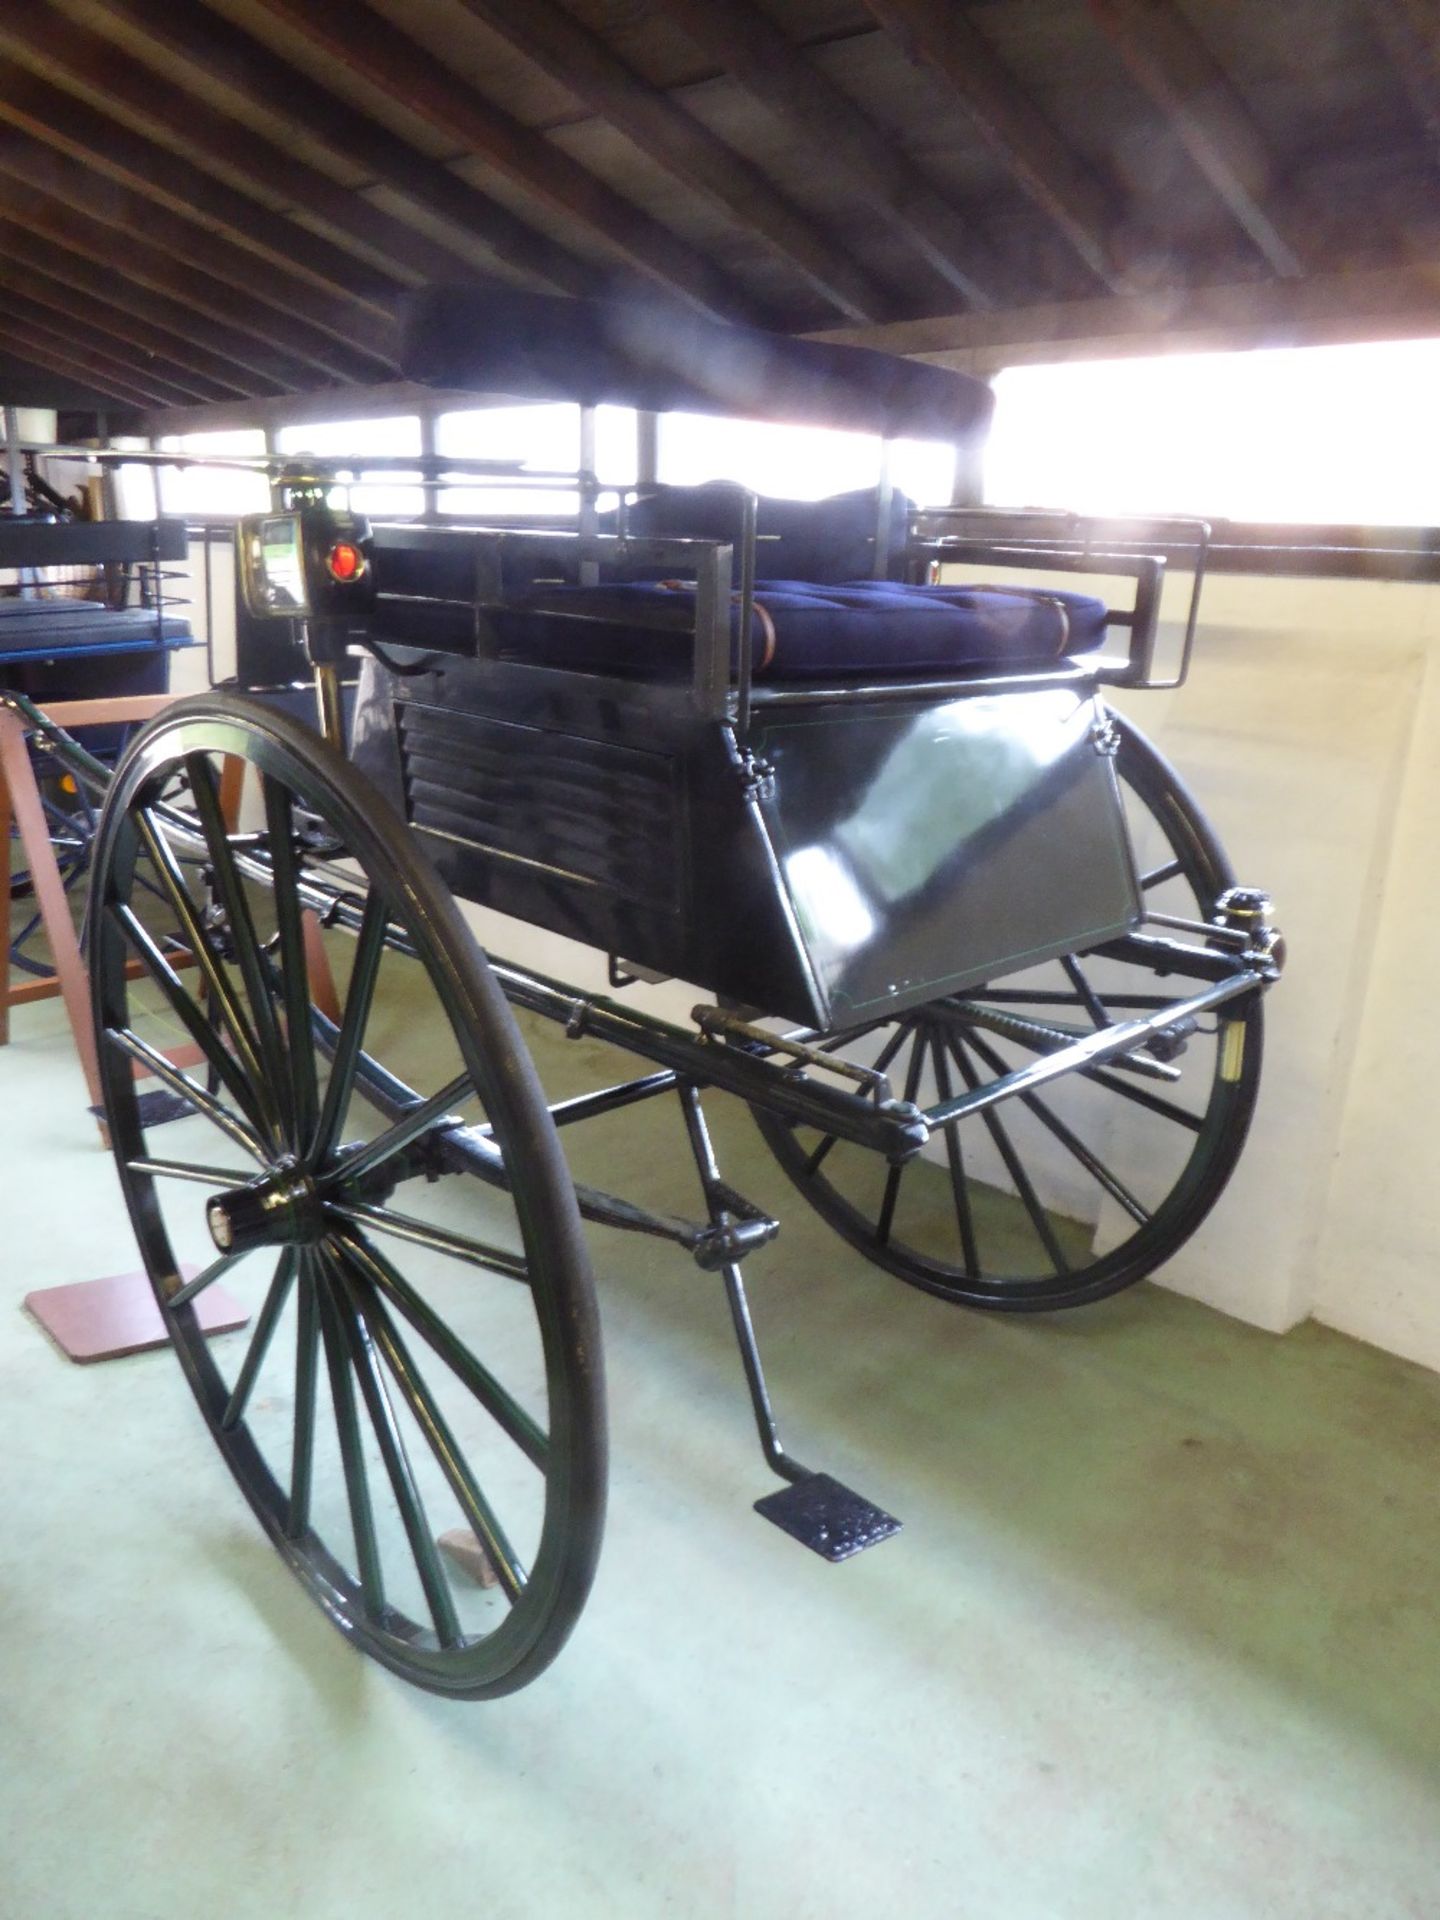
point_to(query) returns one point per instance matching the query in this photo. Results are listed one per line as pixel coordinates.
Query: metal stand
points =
(100, 1319)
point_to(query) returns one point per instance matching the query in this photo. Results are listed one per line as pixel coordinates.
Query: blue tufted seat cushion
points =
(801, 630)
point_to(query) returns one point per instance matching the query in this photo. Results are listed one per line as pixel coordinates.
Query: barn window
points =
(797, 463)
(543, 438)
(384, 494)
(1303, 434)
(208, 493)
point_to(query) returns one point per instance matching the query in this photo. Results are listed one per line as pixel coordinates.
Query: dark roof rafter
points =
(252, 72)
(1409, 30)
(936, 34)
(56, 119)
(385, 58)
(228, 355)
(57, 48)
(116, 243)
(1172, 63)
(26, 320)
(75, 364)
(744, 42)
(51, 317)
(348, 338)
(196, 367)
(583, 63)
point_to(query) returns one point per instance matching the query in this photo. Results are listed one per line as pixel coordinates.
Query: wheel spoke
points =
(475, 1253)
(483, 1521)
(181, 1084)
(1068, 1139)
(225, 1066)
(1075, 974)
(307, 1358)
(815, 1160)
(219, 990)
(294, 975)
(959, 1187)
(914, 1068)
(230, 889)
(506, 1412)
(211, 1177)
(411, 1124)
(383, 1424)
(1171, 870)
(1152, 1102)
(352, 1454)
(182, 1296)
(369, 949)
(1039, 1219)
(265, 1325)
(891, 1047)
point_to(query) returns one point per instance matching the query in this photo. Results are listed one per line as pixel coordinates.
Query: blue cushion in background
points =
(830, 540)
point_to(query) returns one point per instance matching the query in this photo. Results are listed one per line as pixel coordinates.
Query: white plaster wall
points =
(1307, 729)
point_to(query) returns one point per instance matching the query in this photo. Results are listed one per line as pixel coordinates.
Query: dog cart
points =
(958, 937)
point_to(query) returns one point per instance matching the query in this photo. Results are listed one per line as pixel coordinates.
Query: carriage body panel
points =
(852, 859)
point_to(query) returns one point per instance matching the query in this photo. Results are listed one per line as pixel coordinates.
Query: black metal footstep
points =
(832, 1520)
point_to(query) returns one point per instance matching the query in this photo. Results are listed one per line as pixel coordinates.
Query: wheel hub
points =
(281, 1209)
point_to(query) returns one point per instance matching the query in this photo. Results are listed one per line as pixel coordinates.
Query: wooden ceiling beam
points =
(57, 48)
(228, 355)
(1409, 31)
(61, 322)
(662, 130)
(745, 43)
(1392, 303)
(57, 119)
(249, 69)
(341, 337)
(1174, 66)
(74, 366)
(166, 349)
(125, 254)
(357, 37)
(938, 36)
(24, 320)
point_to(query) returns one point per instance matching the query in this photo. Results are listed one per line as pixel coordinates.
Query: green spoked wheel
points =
(1067, 1194)
(420, 1376)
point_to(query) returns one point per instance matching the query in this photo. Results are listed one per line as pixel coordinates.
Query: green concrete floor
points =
(1159, 1638)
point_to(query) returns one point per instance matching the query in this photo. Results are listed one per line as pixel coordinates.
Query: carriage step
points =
(832, 1520)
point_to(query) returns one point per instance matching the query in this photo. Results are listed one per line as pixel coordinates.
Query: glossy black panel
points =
(867, 856)
(923, 851)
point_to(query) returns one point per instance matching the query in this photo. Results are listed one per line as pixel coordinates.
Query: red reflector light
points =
(345, 561)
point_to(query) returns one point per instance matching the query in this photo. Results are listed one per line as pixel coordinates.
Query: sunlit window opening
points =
(1294, 434)
(384, 494)
(797, 463)
(208, 493)
(542, 439)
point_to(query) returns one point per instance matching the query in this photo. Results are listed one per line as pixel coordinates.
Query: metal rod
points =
(329, 704)
(1093, 1050)
(771, 1445)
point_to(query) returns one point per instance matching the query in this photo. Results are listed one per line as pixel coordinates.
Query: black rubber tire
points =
(1153, 786)
(287, 755)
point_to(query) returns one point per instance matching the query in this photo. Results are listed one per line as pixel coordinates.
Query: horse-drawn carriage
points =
(968, 950)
